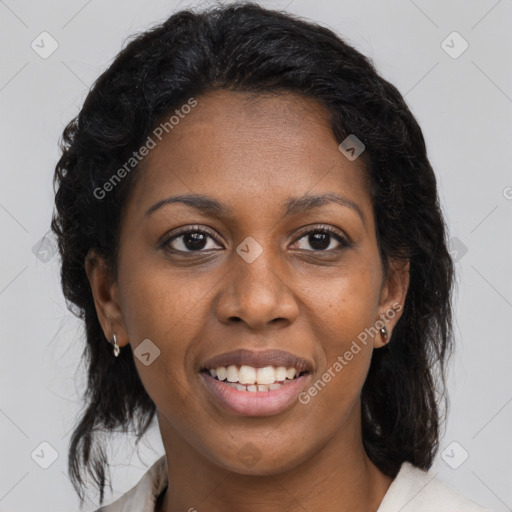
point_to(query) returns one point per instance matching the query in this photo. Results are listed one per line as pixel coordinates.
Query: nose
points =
(257, 293)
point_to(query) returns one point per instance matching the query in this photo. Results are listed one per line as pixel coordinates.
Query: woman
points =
(250, 229)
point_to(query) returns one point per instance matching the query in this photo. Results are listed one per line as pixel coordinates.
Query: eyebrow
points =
(291, 206)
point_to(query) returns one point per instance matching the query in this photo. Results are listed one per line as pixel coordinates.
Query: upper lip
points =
(258, 360)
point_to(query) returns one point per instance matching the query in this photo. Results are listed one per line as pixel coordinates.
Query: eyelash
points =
(342, 240)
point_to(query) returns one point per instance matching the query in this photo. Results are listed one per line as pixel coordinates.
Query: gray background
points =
(464, 106)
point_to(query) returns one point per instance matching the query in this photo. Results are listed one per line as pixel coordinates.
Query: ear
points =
(392, 300)
(105, 292)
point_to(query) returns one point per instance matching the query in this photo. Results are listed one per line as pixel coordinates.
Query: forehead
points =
(245, 149)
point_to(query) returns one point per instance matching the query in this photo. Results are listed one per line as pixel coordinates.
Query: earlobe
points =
(105, 293)
(393, 294)
(384, 334)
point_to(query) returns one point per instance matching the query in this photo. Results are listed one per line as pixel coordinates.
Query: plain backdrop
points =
(462, 98)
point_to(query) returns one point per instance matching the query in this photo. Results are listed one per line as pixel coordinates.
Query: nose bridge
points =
(255, 291)
(255, 267)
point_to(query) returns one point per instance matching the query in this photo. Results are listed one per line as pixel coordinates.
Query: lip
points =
(258, 403)
(258, 360)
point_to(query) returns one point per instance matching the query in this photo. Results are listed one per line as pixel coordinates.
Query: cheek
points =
(162, 305)
(345, 305)
(344, 308)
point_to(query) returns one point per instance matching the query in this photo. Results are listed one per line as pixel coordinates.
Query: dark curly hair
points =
(244, 47)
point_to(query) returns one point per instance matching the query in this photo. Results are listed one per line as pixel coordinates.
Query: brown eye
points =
(189, 240)
(324, 239)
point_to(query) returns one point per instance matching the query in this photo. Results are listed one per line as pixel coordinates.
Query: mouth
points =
(255, 383)
(252, 379)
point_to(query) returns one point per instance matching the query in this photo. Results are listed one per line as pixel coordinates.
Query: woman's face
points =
(257, 274)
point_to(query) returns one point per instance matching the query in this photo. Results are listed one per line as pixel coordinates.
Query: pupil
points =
(319, 240)
(194, 240)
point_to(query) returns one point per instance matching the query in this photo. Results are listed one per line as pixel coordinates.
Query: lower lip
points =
(255, 403)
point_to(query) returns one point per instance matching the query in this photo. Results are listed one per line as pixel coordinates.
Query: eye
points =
(322, 239)
(190, 239)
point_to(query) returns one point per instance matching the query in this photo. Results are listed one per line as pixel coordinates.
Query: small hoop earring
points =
(384, 333)
(116, 346)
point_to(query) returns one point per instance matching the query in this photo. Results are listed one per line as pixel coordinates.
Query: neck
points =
(338, 477)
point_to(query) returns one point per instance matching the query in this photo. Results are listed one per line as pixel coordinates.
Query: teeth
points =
(290, 373)
(232, 373)
(267, 378)
(266, 375)
(253, 387)
(247, 375)
(281, 373)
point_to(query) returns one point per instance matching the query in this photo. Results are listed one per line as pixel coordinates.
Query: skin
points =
(253, 155)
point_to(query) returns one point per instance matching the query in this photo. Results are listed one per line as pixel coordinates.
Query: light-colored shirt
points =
(413, 490)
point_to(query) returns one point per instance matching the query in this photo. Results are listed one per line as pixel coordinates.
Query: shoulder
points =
(142, 497)
(422, 491)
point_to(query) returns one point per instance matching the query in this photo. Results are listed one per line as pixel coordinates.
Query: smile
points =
(249, 378)
(255, 399)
